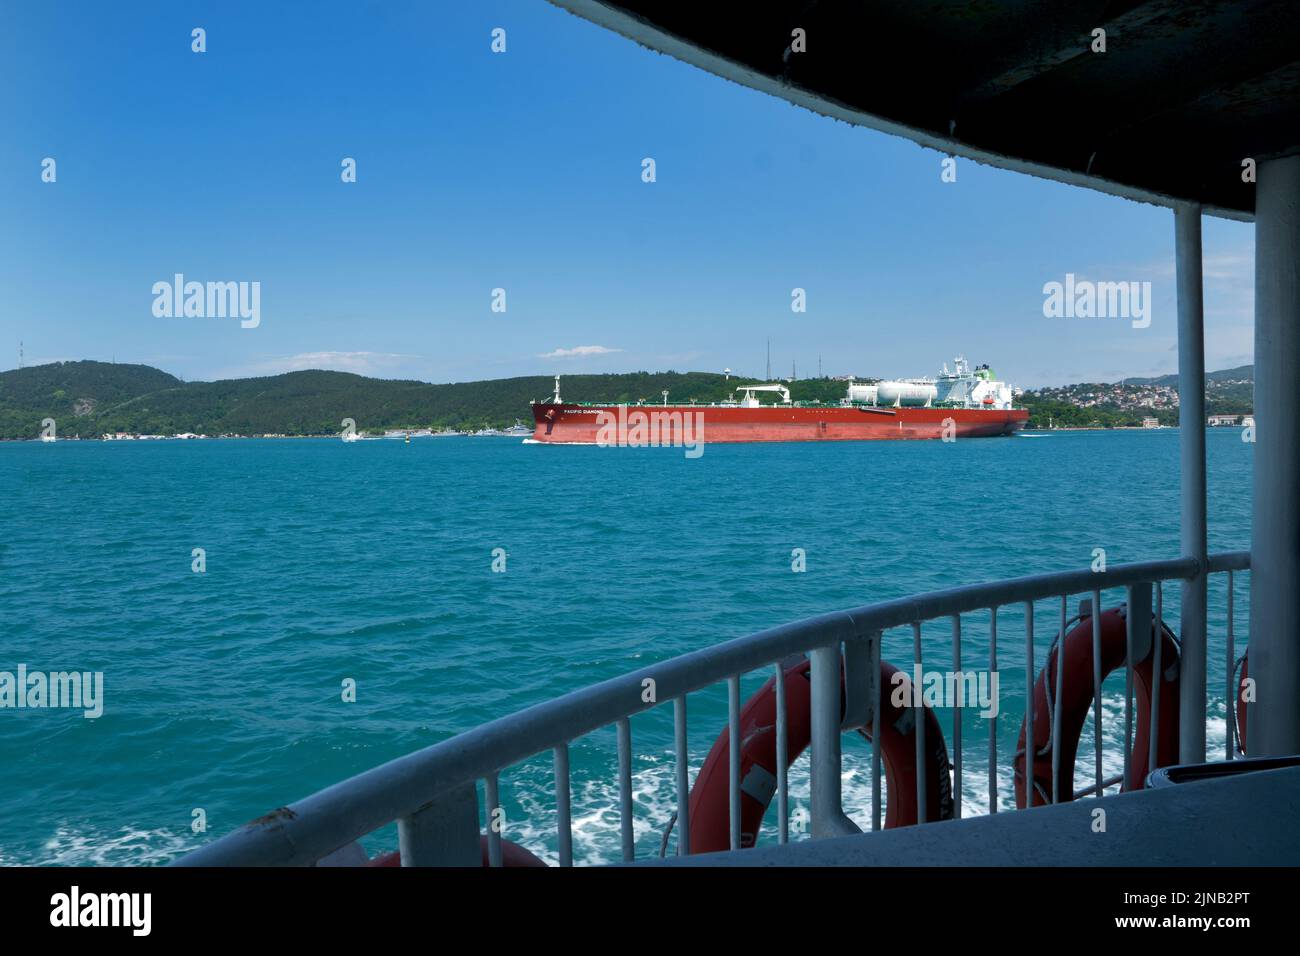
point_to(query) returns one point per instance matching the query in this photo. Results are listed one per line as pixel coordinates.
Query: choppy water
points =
(372, 561)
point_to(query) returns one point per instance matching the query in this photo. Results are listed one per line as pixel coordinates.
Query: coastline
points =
(381, 437)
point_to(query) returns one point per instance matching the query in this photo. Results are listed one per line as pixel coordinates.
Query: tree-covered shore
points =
(88, 399)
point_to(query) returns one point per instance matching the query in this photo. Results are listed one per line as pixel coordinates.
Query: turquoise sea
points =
(373, 561)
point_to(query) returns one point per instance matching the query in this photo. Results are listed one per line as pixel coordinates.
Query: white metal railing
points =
(432, 793)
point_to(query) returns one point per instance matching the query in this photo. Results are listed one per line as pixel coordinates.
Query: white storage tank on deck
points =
(905, 393)
(865, 394)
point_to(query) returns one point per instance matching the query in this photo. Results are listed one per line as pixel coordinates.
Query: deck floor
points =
(1249, 820)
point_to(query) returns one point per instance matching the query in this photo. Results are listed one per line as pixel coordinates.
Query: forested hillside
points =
(88, 399)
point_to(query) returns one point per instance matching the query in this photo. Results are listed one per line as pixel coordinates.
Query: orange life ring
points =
(512, 854)
(710, 796)
(1077, 698)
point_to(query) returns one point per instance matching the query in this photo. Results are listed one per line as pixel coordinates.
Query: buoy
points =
(710, 796)
(1077, 699)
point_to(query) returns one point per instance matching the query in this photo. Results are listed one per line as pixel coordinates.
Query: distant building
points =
(1218, 421)
(1150, 423)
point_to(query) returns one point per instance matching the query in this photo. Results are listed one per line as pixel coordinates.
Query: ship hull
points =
(678, 424)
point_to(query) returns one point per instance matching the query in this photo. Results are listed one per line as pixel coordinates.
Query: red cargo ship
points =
(964, 403)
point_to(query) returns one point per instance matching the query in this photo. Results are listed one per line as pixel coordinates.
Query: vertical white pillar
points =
(1191, 425)
(826, 798)
(1273, 725)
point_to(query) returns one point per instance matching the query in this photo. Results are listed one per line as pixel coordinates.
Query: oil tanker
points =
(962, 403)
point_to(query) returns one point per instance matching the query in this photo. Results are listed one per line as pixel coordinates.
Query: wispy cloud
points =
(580, 351)
(1232, 268)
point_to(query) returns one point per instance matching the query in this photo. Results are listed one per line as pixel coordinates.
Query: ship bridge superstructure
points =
(972, 388)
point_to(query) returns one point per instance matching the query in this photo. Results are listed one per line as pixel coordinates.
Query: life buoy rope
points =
(1077, 699)
(1239, 683)
(710, 796)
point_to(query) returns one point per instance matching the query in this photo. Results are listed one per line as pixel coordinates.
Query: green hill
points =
(1242, 373)
(87, 399)
(72, 393)
(58, 387)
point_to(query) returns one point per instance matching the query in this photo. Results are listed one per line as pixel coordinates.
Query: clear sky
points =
(523, 170)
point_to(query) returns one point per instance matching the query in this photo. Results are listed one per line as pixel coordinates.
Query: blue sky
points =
(522, 171)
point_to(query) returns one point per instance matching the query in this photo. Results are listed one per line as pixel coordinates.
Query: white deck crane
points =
(750, 400)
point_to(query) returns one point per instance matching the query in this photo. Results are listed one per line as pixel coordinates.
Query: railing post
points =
(1059, 676)
(563, 806)
(492, 806)
(1191, 425)
(918, 723)
(993, 721)
(1230, 698)
(1137, 644)
(876, 730)
(1157, 669)
(627, 835)
(681, 757)
(828, 817)
(444, 833)
(1031, 748)
(956, 720)
(1274, 717)
(782, 753)
(734, 744)
(1097, 678)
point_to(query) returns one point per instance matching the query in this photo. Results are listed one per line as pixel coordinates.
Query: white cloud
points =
(1238, 267)
(580, 351)
(1227, 270)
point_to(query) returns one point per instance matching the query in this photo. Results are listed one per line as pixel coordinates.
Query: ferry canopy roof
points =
(1185, 91)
